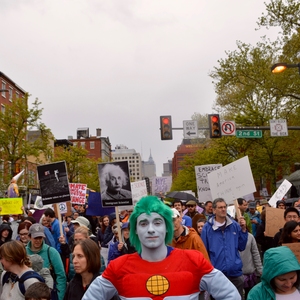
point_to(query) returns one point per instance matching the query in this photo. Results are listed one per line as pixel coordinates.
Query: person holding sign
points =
(159, 271)
(113, 178)
(280, 278)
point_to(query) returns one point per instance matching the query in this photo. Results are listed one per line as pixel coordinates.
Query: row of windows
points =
(4, 86)
(82, 144)
(126, 158)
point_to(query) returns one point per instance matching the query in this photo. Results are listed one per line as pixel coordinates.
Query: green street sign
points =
(251, 134)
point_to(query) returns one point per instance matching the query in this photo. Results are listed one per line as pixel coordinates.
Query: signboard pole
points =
(118, 222)
(238, 212)
(59, 219)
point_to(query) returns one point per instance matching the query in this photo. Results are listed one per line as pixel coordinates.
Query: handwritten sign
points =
(11, 206)
(78, 193)
(280, 192)
(295, 247)
(139, 190)
(161, 184)
(203, 188)
(232, 181)
(274, 220)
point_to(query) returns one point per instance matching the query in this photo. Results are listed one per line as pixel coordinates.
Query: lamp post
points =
(280, 67)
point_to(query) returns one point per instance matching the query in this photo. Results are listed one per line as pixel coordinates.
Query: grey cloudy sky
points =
(118, 65)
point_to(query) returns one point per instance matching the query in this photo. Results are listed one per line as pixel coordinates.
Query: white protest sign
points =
(232, 181)
(161, 184)
(138, 190)
(201, 173)
(280, 192)
(78, 193)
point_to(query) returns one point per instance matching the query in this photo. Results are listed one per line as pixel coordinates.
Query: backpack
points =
(22, 279)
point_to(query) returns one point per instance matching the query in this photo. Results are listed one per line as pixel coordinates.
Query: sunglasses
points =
(190, 205)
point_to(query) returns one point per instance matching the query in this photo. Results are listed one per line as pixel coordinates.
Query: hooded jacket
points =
(5, 226)
(277, 261)
(223, 246)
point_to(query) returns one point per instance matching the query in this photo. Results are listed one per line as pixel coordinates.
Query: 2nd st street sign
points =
(251, 134)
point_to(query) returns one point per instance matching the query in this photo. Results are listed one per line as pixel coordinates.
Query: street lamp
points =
(280, 67)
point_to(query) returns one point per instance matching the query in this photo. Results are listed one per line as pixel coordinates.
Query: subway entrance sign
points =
(251, 134)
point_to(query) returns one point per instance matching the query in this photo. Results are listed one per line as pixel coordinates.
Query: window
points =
(31, 177)
(82, 145)
(3, 88)
(74, 144)
(10, 90)
(3, 108)
(17, 95)
(92, 145)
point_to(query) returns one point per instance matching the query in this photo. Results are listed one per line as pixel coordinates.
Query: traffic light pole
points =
(244, 128)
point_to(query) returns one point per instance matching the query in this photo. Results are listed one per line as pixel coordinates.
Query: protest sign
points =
(139, 190)
(54, 183)
(280, 192)
(95, 207)
(295, 247)
(78, 193)
(11, 206)
(274, 220)
(115, 184)
(201, 172)
(232, 181)
(161, 185)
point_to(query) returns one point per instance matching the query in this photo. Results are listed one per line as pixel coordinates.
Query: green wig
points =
(148, 205)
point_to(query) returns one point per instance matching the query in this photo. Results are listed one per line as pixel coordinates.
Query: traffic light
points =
(166, 128)
(214, 126)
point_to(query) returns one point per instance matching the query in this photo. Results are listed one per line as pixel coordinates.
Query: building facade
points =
(121, 153)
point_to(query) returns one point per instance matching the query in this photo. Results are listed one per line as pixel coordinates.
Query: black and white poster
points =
(54, 183)
(115, 184)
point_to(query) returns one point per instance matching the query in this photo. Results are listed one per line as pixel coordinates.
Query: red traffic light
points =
(166, 128)
(215, 118)
(214, 126)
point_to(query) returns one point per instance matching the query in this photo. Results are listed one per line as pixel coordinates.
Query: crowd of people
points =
(89, 261)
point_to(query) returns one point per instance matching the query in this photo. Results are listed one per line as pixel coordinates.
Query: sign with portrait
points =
(115, 184)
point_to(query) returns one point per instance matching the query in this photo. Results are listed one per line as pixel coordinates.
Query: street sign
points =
(252, 134)
(190, 129)
(278, 127)
(228, 128)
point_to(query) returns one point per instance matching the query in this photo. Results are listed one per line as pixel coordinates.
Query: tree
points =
(80, 168)
(15, 122)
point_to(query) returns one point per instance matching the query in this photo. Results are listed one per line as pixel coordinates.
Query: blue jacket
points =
(223, 247)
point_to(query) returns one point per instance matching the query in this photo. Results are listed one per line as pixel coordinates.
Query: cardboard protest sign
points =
(54, 183)
(280, 192)
(295, 247)
(161, 185)
(78, 193)
(232, 181)
(139, 190)
(11, 206)
(274, 220)
(201, 172)
(115, 184)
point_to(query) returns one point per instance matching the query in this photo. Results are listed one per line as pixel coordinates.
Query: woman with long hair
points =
(23, 231)
(16, 263)
(290, 233)
(86, 261)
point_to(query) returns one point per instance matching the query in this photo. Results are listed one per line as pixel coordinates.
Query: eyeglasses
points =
(23, 234)
(190, 205)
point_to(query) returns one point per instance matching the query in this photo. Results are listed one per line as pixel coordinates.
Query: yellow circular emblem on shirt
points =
(157, 285)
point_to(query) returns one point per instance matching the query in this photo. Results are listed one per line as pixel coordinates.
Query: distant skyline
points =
(119, 65)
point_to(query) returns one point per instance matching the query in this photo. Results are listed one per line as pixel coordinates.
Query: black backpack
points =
(22, 279)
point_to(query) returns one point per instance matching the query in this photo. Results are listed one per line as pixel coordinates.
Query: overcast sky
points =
(118, 65)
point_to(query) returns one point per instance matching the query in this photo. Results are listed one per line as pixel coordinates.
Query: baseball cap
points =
(36, 230)
(175, 213)
(252, 205)
(125, 225)
(82, 221)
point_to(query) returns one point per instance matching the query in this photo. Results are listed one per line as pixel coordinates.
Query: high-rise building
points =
(149, 167)
(121, 153)
(167, 168)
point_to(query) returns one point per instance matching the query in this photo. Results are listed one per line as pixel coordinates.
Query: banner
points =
(139, 190)
(161, 185)
(11, 206)
(280, 192)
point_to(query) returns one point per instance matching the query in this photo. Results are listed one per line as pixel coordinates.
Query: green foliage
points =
(14, 123)
(80, 168)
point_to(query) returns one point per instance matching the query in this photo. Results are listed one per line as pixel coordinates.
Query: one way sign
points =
(190, 129)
